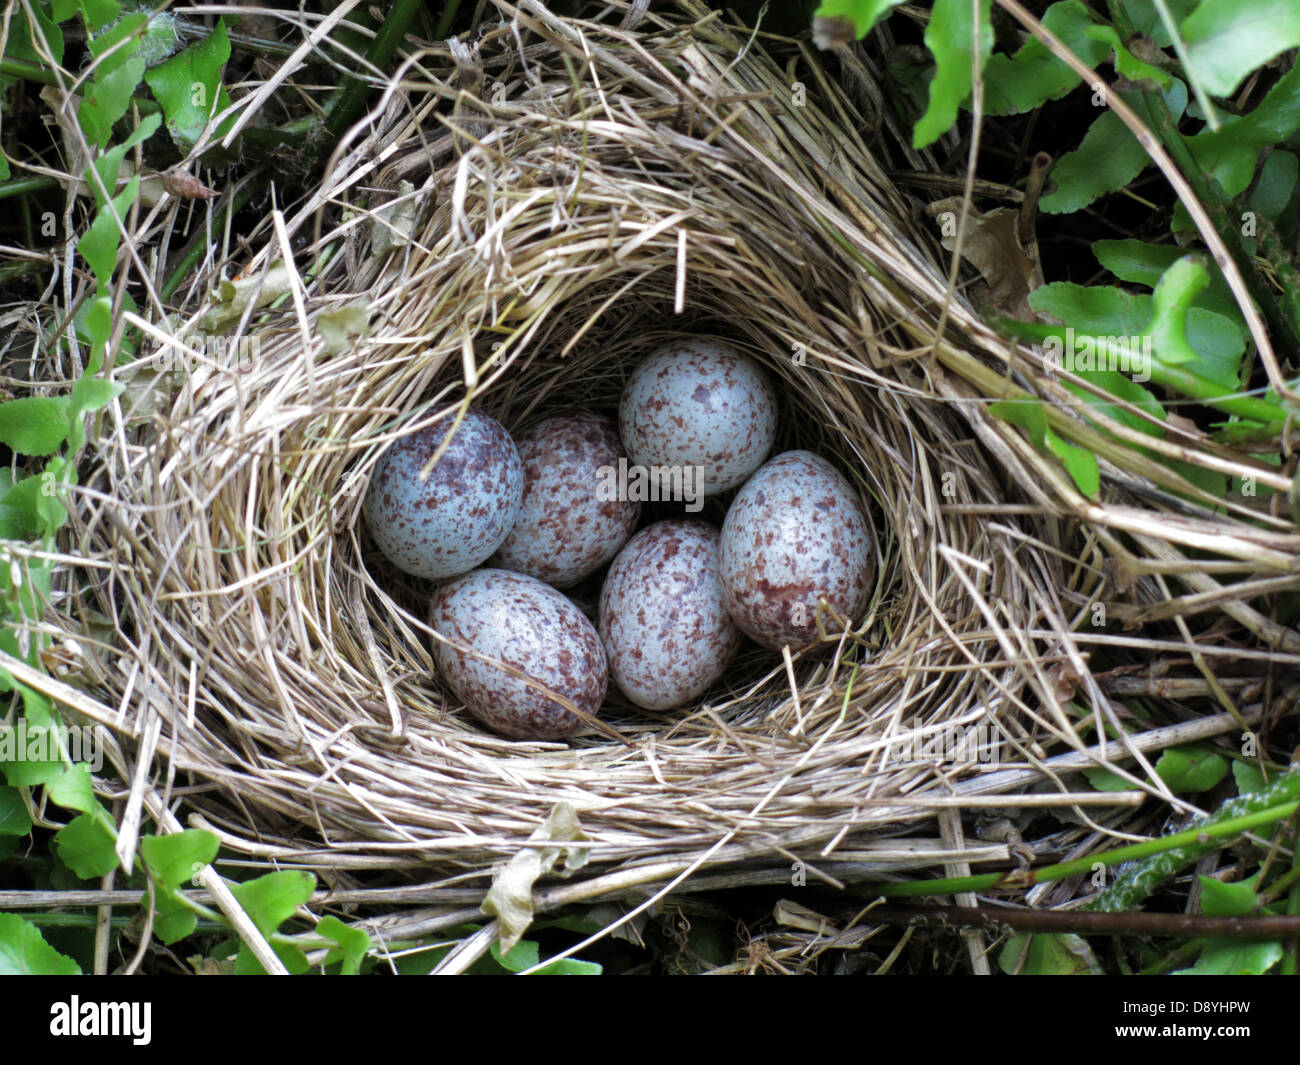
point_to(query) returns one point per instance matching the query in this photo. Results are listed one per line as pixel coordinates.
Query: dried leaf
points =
(180, 182)
(992, 245)
(510, 898)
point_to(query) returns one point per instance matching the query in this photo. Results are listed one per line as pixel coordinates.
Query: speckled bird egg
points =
(796, 531)
(698, 402)
(662, 616)
(455, 518)
(496, 615)
(567, 527)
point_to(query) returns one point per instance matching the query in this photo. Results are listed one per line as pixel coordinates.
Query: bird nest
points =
(518, 221)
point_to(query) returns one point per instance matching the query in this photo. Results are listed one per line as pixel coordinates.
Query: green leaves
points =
(1080, 464)
(24, 952)
(952, 41)
(1227, 40)
(1229, 155)
(1038, 954)
(1232, 957)
(862, 13)
(353, 944)
(1191, 769)
(172, 860)
(175, 858)
(1019, 83)
(271, 900)
(189, 88)
(73, 789)
(14, 819)
(99, 244)
(118, 71)
(1109, 157)
(35, 425)
(87, 846)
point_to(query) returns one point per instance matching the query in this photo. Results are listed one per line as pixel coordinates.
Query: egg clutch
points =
(505, 524)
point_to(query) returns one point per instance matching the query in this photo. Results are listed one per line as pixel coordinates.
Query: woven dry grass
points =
(582, 191)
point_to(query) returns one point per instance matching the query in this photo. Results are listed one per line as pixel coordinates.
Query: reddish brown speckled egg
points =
(796, 531)
(698, 402)
(567, 528)
(455, 518)
(662, 617)
(498, 616)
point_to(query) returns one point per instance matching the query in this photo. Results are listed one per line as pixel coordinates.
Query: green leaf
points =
(353, 943)
(1193, 768)
(24, 952)
(950, 39)
(271, 900)
(1106, 780)
(25, 754)
(105, 44)
(98, 245)
(86, 846)
(1181, 283)
(1147, 21)
(14, 819)
(1049, 955)
(107, 165)
(108, 99)
(1276, 184)
(1097, 310)
(293, 957)
(1248, 777)
(1108, 158)
(864, 14)
(571, 967)
(172, 919)
(1020, 83)
(1219, 899)
(1214, 345)
(1145, 76)
(1230, 956)
(1080, 464)
(24, 503)
(73, 789)
(99, 13)
(523, 955)
(91, 393)
(173, 859)
(1227, 39)
(189, 88)
(1144, 264)
(34, 425)
(1229, 155)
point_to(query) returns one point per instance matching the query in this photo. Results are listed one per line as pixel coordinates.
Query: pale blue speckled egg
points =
(699, 402)
(496, 616)
(663, 616)
(456, 517)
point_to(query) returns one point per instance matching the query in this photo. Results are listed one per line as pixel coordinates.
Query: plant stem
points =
(194, 252)
(1088, 923)
(352, 96)
(28, 71)
(19, 186)
(1203, 835)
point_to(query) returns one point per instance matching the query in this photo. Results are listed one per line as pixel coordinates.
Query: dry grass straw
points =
(584, 190)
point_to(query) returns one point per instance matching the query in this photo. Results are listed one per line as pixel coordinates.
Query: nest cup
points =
(581, 192)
